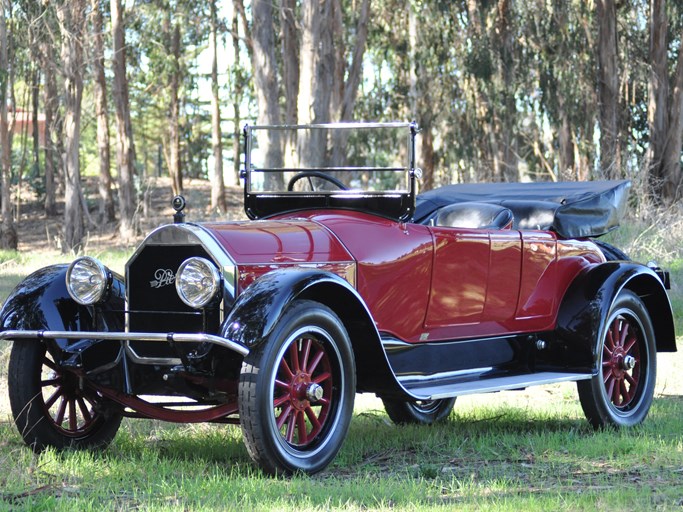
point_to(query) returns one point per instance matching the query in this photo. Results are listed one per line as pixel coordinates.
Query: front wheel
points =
(420, 412)
(296, 391)
(621, 393)
(52, 407)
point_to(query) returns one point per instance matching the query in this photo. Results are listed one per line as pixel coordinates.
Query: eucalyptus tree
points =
(8, 233)
(72, 24)
(106, 199)
(217, 181)
(125, 148)
(665, 105)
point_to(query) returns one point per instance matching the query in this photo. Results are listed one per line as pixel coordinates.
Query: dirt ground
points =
(37, 232)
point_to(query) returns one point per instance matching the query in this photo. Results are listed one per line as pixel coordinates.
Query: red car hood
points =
(278, 241)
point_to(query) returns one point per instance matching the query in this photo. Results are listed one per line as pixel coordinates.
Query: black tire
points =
(296, 391)
(610, 252)
(419, 412)
(621, 393)
(49, 407)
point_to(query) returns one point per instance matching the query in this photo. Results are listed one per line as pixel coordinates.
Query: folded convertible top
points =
(575, 209)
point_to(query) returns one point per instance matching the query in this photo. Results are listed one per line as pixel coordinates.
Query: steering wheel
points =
(314, 174)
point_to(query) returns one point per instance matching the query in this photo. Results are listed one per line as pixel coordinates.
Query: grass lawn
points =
(516, 450)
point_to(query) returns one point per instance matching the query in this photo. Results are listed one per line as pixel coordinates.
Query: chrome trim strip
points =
(329, 126)
(447, 390)
(174, 337)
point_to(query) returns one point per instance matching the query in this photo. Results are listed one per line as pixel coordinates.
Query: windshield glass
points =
(346, 158)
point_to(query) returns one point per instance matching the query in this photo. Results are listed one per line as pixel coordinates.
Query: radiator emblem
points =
(162, 277)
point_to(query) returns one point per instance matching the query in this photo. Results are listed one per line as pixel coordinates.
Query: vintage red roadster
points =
(345, 280)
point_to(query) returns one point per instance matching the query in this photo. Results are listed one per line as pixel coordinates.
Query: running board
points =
(434, 387)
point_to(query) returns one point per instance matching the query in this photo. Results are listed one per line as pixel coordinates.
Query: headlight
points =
(87, 280)
(197, 282)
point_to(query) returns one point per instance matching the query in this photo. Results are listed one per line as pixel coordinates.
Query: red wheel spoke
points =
(301, 428)
(294, 357)
(285, 368)
(53, 398)
(59, 419)
(624, 333)
(609, 340)
(324, 401)
(281, 384)
(631, 342)
(316, 360)
(85, 410)
(616, 393)
(278, 402)
(291, 424)
(281, 420)
(306, 353)
(633, 382)
(609, 385)
(73, 419)
(615, 332)
(313, 418)
(322, 377)
(606, 372)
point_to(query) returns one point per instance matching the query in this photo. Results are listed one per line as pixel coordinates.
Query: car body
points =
(344, 280)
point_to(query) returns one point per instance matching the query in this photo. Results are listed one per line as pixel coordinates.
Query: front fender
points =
(260, 307)
(42, 302)
(585, 307)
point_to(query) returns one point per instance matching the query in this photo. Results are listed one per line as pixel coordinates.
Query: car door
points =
(475, 282)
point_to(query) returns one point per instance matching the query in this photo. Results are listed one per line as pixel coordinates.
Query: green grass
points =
(503, 454)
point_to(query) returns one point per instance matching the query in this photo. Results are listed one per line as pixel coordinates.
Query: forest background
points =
(122, 92)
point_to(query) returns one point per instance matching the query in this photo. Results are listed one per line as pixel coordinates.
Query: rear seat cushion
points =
(474, 215)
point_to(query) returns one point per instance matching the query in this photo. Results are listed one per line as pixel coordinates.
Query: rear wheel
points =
(621, 393)
(296, 391)
(51, 407)
(423, 412)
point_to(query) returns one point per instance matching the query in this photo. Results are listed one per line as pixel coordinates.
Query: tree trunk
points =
(35, 106)
(125, 150)
(71, 17)
(237, 94)
(217, 183)
(608, 89)
(8, 233)
(264, 67)
(508, 109)
(672, 150)
(315, 80)
(51, 102)
(102, 114)
(175, 168)
(290, 76)
(349, 90)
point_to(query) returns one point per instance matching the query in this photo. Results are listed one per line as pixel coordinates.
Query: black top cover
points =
(575, 209)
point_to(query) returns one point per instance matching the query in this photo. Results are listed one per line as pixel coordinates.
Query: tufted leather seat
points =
(474, 215)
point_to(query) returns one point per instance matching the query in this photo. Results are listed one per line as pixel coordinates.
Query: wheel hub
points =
(628, 363)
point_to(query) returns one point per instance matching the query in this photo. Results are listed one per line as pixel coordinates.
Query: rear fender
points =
(42, 302)
(258, 310)
(584, 309)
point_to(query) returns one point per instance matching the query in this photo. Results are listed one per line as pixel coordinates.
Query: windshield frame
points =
(395, 204)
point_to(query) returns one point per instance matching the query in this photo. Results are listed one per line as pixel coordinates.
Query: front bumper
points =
(170, 337)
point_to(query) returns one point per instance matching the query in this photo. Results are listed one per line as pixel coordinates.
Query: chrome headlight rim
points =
(198, 282)
(98, 282)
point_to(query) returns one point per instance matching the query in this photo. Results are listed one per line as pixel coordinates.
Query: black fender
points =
(42, 302)
(259, 308)
(585, 306)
